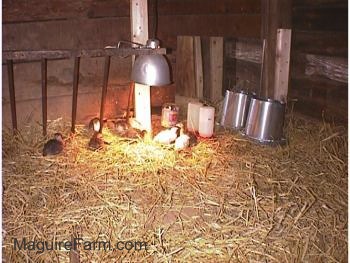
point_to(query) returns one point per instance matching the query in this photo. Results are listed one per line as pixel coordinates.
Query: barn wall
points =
(37, 25)
(319, 58)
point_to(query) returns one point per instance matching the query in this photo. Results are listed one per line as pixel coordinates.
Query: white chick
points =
(167, 136)
(182, 142)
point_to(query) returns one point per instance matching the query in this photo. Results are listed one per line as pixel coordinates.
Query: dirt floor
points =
(224, 200)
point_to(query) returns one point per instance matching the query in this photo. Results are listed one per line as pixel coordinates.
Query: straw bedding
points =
(226, 199)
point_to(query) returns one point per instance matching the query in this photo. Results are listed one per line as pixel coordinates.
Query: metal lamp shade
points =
(152, 70)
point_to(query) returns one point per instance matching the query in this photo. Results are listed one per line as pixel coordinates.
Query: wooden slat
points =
(198, 66)
(104, 90)
(139, 21)
(130, 100)
(12, 94)
(44, 94)
(334, 68)
(185, 67)
(216, 67)
(75, 92)
(282, 64)
(206, 67)
(60, 54)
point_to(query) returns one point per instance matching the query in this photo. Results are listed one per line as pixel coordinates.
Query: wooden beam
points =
(282, 64)
(60, 54)
(139, 34)
(216, 50)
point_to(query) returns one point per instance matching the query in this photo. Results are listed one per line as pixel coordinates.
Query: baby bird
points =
(121, 127)
(54, 146)
(184, 140)
(167, 136)
(95, 124)
(96, 142)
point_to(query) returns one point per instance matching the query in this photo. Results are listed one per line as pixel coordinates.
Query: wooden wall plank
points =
(319, 3)
(205, 41)
(194, 7)
(185, 67)
(216, 67)
(37, 10)
(67, 34)
(320, 29)
(321, 42)
(334, 68)
(198, 66)
(331, 18)
(207, 25)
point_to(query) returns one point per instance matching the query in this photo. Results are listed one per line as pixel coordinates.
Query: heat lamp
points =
(148, 70)
(152, 70)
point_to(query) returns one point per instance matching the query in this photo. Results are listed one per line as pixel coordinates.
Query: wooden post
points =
(139, 34)
(275, 14)
(216, 67)
(282, 64)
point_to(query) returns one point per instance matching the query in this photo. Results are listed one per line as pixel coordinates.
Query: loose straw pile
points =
(226, 199)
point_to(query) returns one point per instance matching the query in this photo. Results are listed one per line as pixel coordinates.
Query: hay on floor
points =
(226, 199)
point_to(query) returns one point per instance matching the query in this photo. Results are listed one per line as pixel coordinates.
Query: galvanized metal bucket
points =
(235, 109)
(265, 121)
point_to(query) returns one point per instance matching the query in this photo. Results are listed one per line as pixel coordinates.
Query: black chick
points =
(96, 142)
(54, 146)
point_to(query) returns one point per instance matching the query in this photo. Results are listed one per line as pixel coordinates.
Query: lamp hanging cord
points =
(155, 25)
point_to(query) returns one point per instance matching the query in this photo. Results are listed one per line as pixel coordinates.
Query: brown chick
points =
(54, 146)
(96, 142)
